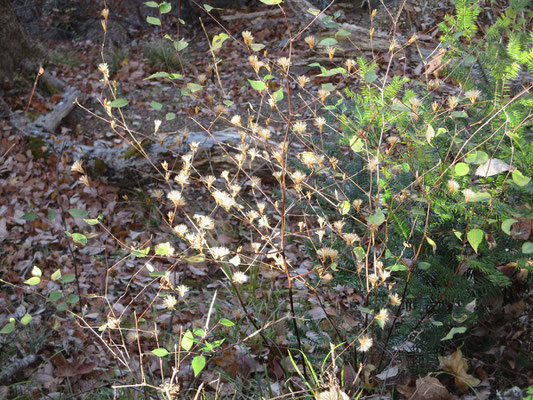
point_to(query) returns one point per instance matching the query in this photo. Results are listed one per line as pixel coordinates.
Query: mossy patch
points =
(37, 146)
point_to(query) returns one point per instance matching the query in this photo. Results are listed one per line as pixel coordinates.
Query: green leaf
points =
(475, 237)
(481, 196)
(459, 114)
(182, 44)
(424, 266)
(170, 116)
(397, 267)
(218, 40)
(477, 157)
(56, 275)
(196, 259)
(370, 76)
(187, 341)
(68, 278)
(194, 87)
(432, 244)
(118, 103)
(343, 32)
(378, 218)
(160, 352)
(278, 95)
(257, 85)
(26, 319)
(94, 221)
(506, 225)
(165, 8)
(208, 8)
(73, 299)
(356, 144)
(345, 207)
(52, 215)
(257, 46)
(162, 74)
(77, 213)
(55, 296)
(140, 253)
(271, 2)
(329, 42)
(359, 253)
(29, 216)
(198, 332)
(156, 106)
(461, 169)
(520, 179)
(35, 280)
(226, 322)
(162, 249)
(527, 248)
(152, 4)
(453, 331)
(153, 21)
(77, 238)
(9, 327)
(198, 362)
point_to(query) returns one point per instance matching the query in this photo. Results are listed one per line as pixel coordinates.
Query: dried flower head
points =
(181, 230)
(299, 127)
(157, 194)
(395, 299)
(415, 103)
(473, 95)
(255, 63)
(453, 186)
(239, 278)
(182, 291)
(236, 120)
(76, 167)
(176, 198)
(298, 177)
(331, 51)
(284, 62)
(302, 80)
(350, 238)
(170, 302)
(349, 64)
(202, 79)
(104, 69)
(327, 252)
(468, 193)
(383, 316)
(204, 222)
(84, 180)
(452, 102)
(310, 40)
(223, 199)
(219, 252)
(365, 343)
(393, 45)
(247, 37)
(157, 124)
(209, 179)
(264, 134)
(434, 84)
(373, 163)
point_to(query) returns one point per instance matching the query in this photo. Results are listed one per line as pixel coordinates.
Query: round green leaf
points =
(55, 296)
(520, 179)
(35, 280)
(328, 42)
(461, 169)
(370, 76)
(378, 218)
(527, 248)
(26, 319)
(475, 237)
(29, 216)
(187, 341)
(170, 116)
(36, 271)
(9, 327)
(153, 21)
(160, 352)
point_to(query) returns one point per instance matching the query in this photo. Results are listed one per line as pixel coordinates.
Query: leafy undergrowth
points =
(158, 316)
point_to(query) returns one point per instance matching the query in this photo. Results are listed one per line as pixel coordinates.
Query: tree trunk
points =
(16, 51)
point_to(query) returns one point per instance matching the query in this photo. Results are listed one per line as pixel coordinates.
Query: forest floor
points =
(41, 199)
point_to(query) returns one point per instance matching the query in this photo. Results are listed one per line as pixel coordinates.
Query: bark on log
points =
(125, 167)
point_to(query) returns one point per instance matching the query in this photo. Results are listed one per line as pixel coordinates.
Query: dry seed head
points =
(182, 291)
(393, 45)
(252, 215)
(255, 63)
(158, 194)
(209, 179)
(339, 225)
(468, 193)
(277, 175)
(181, 230)
(255, 181)
(319, 122)
(434, 106)
(112, 322)
(452, 102)
(320, 233)
(218, 252)
(350, 238)
(373, 164)
(473, 95)
(383, 315)
(239, 278)
(327, 252)
(182, 178)
(453, 186)
(272, 102)
(263, 222)
(236, 120)
(357, 204)
(322, 94)
(235, 189)
(299, 127)
(157, 124)
(302, 80)
(365, 343)
(395, 299)
(225, 174)
(202, 79)
(413, 38)
(170, 216)
(132, 336)
(104, 69)
(223, 199)
(220, 109)
(204, 222)
(434, 84)
(331, 51)
(84, 180)
(284, 62)
(415, 103)
(247, 37)
(170, 302)
(349, 64)
(76, 167)
(298, 177)
(310, 40)
(105, 13)
(392, 140)
(176, 198)
(371, 32)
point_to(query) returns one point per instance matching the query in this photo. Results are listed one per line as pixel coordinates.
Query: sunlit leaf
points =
(198, 362)
(453, 331)
(9, 327)
(226, 322)
(461, 169)
(257, 85)
(527, 248)
(56, 275)
(475, 237)
(34, 280)
(345, 207)
(271, 2)
(187, 341)
(26, 319)
(153, 21)
(118, 103)
(165, 8)
(160, 352)
(519, 178)
(76, 213)
(329, 42)
(378, 218)
(36, 271)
